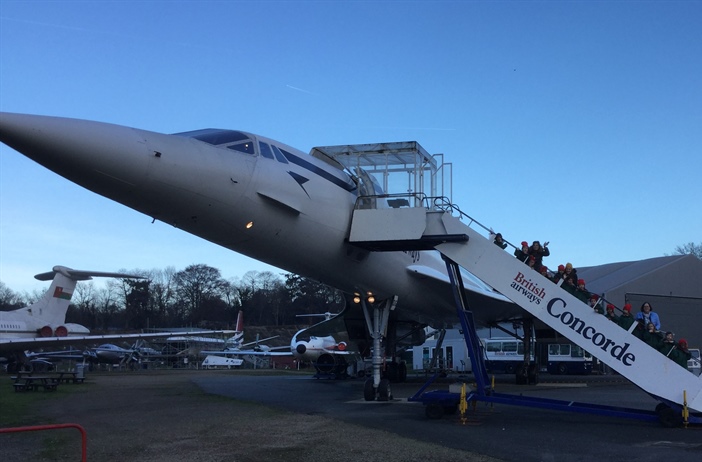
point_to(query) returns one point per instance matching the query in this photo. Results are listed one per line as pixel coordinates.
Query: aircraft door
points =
(369, 186)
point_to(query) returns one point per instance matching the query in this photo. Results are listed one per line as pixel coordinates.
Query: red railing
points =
(34, 428)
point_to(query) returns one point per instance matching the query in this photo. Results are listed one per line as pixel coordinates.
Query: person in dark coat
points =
(538, 253)
(570, 275)
(499, 241)
(558, 275)
(652, 337)
(626, 319)
(523, 253)
(611, 315)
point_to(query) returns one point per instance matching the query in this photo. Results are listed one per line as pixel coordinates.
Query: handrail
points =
(83, 434)
(443, 203)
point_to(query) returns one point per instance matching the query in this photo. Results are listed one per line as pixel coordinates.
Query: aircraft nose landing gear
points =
(383, 393)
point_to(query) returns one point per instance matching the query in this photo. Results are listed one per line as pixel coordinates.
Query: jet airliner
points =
(271, 202)
(43, 324)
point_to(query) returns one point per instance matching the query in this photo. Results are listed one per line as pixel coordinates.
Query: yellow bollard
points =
(685, 410)
(463, 404)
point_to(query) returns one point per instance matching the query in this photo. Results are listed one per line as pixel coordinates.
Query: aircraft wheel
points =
(369, 390)
(393, 372)
(669, 418)
(434, 411)
(384, 392)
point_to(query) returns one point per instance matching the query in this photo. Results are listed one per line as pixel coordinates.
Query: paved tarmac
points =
(501, 431)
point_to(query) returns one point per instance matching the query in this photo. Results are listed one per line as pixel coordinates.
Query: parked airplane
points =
(236, 347)
(43, 324)
(273, 203)
(110, 353)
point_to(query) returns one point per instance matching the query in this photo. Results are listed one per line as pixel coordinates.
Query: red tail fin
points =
(240, 321)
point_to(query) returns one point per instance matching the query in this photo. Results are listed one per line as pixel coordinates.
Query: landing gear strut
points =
(377, 326)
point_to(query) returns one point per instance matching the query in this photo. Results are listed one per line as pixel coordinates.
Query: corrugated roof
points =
(605, 278)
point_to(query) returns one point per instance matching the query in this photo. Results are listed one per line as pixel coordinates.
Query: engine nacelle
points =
(61, 331)
(46, 331)
(328, 363)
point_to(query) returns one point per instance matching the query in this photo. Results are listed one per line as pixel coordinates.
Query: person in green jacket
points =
(611, 315)
(626, 319)
(671, 349)
(652, 337)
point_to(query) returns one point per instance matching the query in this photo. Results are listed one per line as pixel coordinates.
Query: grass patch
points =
(20, 408)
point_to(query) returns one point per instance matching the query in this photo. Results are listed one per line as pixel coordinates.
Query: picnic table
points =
(69, 377)
(34, 382)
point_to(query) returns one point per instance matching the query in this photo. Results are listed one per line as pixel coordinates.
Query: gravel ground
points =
(163, 416)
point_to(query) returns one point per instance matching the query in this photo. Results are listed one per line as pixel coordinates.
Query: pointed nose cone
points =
(108, 159)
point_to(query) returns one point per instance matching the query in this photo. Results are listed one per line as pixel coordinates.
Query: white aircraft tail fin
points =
(52, 307)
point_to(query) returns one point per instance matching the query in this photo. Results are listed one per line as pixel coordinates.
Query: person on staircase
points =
(611, 314)
(647, 315)
(498, 240)
(652, 337)
(523, 253)
(538, 252)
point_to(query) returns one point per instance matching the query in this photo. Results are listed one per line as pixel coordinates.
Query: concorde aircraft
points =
(271, 202)
(43, 323)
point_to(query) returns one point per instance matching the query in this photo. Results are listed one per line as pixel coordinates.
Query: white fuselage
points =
(294, 214)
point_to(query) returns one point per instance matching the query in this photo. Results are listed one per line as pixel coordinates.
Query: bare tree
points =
(9, 300)
(689, 248)
(196, 284)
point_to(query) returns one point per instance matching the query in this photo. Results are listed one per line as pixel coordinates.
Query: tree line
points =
(197, 296)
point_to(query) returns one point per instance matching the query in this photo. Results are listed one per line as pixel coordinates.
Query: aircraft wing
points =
(17, 344)
(496, 306)
(246, 353)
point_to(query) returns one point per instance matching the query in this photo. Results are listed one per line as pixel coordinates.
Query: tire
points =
(369, 390)
(393, 372)
(660, 407)
(384, 391)
(434, 411)
(563, 369)
(509, 369)
(669, 418)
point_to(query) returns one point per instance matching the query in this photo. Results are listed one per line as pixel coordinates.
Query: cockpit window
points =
(279, 155)
(247, 147)
(216, 136)
(265, 150)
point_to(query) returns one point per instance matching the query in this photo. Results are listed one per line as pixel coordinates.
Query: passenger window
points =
(279, 155)
(265, 150)
(246, 147)
(509, 347)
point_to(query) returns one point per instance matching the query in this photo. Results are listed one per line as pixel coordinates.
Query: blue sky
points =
(578, 123)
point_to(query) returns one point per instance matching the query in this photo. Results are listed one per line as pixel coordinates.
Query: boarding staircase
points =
(422, 227)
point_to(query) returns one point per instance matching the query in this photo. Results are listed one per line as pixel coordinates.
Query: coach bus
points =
(504, 355)
(567, 358)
